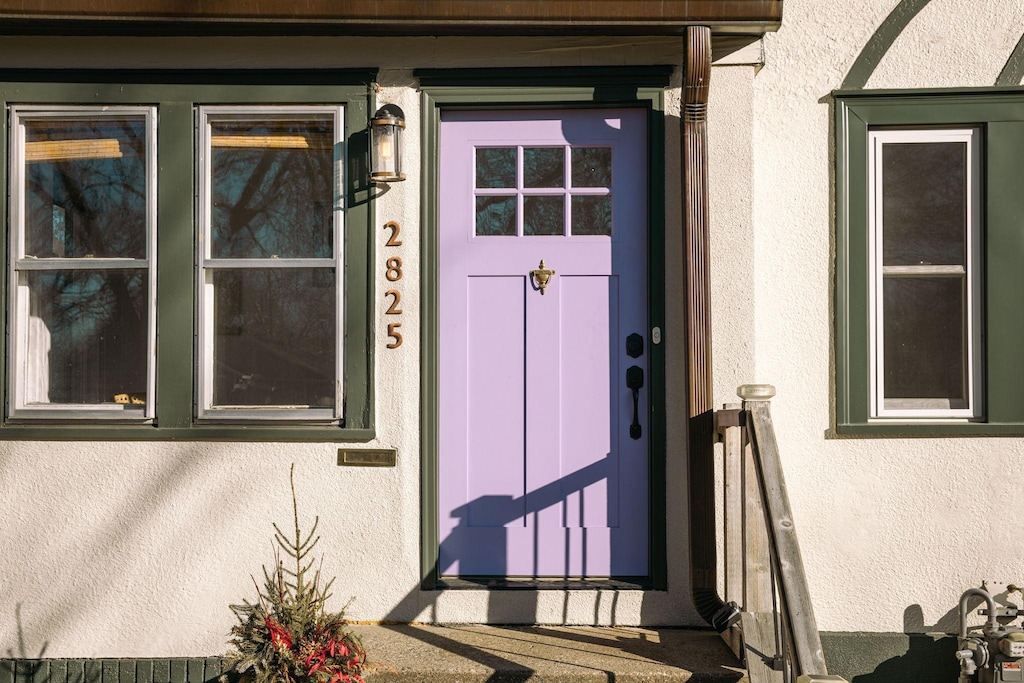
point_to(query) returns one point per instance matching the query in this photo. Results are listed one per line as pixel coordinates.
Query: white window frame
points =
(925, 409)
(20, 266)
(207, 265)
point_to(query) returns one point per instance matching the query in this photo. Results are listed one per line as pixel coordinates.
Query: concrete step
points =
(545, 654)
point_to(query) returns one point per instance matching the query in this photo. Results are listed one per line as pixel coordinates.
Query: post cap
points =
(755, 392)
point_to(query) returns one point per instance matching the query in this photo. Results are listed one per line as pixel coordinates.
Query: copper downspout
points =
(700, 407)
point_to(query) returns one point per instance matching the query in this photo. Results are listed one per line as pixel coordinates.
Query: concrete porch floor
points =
(510, 654)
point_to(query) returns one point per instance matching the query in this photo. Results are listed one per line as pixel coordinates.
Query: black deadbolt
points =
(634, 345)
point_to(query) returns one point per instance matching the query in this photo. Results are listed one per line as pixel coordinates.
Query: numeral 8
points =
(394, 273)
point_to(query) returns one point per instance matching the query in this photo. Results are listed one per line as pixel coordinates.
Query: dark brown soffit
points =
(402, 17)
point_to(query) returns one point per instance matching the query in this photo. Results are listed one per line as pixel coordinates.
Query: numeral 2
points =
(393, 240)
(393, 309)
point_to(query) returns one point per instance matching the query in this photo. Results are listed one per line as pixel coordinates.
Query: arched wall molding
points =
(880, 42)
(1013, 70)
(892, 27)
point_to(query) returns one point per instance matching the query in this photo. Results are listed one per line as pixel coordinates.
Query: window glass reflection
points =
(274, 337)
(86, 334)
(924, 203)
(544, 167)
(272, 186)
(925, 338)
(543, 215)
(592, 215)
(496, 216)
(591, 167)
(85, 188)
(496, 167)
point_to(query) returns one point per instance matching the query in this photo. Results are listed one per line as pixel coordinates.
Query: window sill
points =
(928, 429)
(199, 432)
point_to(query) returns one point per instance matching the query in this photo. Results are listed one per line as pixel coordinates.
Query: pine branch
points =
(275, 638)
(298, 533)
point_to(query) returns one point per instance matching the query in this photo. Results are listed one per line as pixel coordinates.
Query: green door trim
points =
(647, 90)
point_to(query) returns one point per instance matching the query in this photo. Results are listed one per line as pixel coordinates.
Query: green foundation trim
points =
(891, 657)
(858, 657)
(166, 670)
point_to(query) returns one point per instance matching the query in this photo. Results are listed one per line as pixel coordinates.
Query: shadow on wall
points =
(22, 652)
(30, 665)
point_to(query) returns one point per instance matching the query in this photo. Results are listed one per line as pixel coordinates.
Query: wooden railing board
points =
(763, 567)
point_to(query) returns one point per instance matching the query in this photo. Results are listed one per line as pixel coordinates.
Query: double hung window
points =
(930, 262)
(923, 230)
(178, 258)
(271, 224)
(82, 279)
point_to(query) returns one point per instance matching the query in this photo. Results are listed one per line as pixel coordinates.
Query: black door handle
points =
(635, 381)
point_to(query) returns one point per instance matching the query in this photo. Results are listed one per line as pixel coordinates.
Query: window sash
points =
(208, 265)
(969, 275)
(23, 330)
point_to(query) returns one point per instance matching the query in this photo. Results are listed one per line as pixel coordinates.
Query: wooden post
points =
(757, 569)
(729, 425)
(730, 431)
(796, 600)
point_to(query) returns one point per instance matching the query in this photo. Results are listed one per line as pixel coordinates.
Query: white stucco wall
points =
(892, 530)
(137, 549)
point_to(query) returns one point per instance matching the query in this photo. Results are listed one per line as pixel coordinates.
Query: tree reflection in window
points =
(274, 340)
(274, 321)
(272, 189)
(85, 201)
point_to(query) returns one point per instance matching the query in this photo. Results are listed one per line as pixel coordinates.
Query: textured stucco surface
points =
(892, 530)
(136, 549)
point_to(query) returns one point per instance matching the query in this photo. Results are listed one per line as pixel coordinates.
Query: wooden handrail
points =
(760, 541)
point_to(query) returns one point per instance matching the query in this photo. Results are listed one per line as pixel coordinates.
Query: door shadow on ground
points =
(504, 649)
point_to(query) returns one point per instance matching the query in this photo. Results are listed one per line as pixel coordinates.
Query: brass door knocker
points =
(541, 276)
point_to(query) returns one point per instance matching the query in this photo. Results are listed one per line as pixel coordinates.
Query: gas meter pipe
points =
(992, 624)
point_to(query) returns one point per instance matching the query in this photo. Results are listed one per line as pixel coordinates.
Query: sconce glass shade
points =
(386, 130)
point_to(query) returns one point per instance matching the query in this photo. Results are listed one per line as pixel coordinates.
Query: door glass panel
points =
(496, 167)
(544, 167)
(924, 203)
(925, 338)
(85, 185)
(496, 216)
(592, 215)
(272, 188)
(591, 167)
(544, 215)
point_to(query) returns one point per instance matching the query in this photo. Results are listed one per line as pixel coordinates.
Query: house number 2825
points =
(393, 273)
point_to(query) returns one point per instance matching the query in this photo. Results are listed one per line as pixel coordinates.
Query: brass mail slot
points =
(368, 457)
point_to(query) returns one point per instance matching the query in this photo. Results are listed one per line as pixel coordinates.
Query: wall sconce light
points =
(386, 129)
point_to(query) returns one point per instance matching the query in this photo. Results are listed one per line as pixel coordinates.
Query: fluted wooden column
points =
(697, 77)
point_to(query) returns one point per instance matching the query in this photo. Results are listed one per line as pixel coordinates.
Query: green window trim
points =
(541, 89)
(999, 114)
(176, 96)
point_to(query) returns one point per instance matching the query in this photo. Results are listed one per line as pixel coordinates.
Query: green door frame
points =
(526, 89)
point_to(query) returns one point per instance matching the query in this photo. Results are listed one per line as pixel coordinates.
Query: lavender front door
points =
(543, 466)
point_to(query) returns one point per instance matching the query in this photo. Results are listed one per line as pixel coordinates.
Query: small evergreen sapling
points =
(288, 636)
